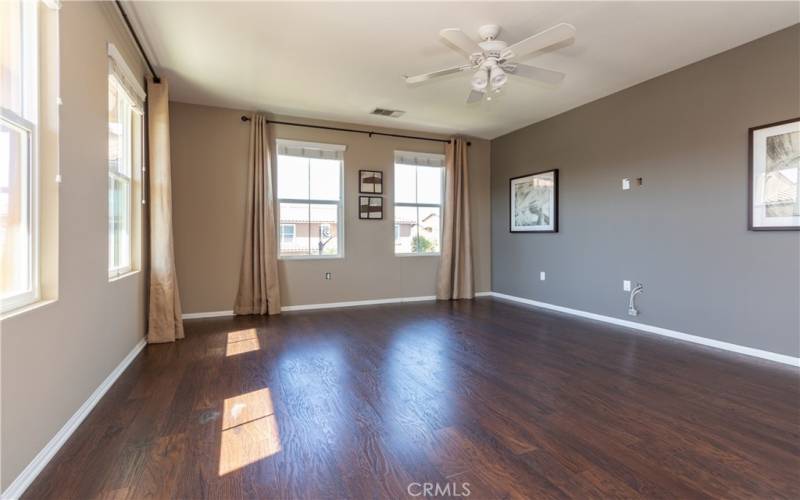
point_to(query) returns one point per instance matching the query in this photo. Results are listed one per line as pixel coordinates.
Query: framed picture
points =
(370, 181)
(370, 207)
(534, 203)
(774, 184)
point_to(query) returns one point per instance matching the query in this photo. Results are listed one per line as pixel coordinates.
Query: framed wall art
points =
(774, 177)
(534, 203)
(370, 207)
(370, 181)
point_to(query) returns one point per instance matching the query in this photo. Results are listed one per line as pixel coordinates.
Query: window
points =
(310, 199)
(287, 233)
(417, 203)
(124, 164)
(19, 94)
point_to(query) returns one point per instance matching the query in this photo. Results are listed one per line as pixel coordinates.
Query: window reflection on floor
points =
(242, 341)
(249, 431)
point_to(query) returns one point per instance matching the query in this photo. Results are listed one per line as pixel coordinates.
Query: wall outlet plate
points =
(542, 276)
(626, 184)
(626, 285)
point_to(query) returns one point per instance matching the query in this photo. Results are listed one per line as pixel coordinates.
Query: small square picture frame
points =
(370, 207)
(370, 181)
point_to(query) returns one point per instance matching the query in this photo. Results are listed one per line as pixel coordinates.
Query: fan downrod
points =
(489, 32)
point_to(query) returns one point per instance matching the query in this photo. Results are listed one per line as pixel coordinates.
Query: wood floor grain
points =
(481, 397)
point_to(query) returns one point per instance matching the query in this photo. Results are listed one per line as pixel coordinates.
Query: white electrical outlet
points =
(626, 285)
(542, 276)
(626, 184)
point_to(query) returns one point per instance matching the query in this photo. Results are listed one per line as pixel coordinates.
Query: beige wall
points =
(209, 164)
(54, 356)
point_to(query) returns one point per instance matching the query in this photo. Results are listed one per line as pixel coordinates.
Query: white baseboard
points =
(26, 477)
(354, 303)
(727, 346)
(211, 314)
(371, 302)
(329, 305)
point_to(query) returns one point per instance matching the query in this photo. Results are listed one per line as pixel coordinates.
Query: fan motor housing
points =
(493, 48)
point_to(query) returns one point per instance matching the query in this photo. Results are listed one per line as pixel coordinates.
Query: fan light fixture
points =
(480, 80)
(498, 77)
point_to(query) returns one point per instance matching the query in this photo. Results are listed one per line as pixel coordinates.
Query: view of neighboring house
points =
(406, 232)
(308, 229)
(313, 230)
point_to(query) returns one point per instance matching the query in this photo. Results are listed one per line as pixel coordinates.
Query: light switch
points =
(626, 184)
(626, 285)
(328, 276)
(541, 276)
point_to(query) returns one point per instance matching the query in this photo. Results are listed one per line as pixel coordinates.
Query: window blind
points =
(313, 150)
(120, 70)
(422, 159)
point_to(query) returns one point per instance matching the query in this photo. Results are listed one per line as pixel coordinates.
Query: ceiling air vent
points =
(391, 113)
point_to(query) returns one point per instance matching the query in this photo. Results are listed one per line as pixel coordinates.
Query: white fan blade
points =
(534, 73)
(457, 37)
(475, 96)
(436, 74)
(539, 41)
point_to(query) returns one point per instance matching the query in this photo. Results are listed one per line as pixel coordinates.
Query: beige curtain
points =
(455, 280)
(164, 313)
(259, 292)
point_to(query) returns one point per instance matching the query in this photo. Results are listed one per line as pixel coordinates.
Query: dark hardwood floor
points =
(363, 402)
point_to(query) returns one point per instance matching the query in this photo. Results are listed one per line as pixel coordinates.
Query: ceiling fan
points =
(494, 59)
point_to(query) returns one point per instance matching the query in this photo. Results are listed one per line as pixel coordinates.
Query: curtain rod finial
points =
(245, 118)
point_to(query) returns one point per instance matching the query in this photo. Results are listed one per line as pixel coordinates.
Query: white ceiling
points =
(338, 61)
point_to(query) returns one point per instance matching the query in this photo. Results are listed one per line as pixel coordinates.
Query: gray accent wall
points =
(683, 234)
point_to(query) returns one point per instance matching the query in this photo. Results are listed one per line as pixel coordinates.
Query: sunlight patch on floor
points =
(242, 341)
(249, 431)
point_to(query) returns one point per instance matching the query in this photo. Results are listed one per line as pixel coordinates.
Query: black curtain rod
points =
(156, 78)
(368, 132)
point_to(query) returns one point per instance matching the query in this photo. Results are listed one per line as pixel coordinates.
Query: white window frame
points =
(313, 150)
(284, 239)
(420, 160)
(126, 155)
(28, 121)
(133, 94)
